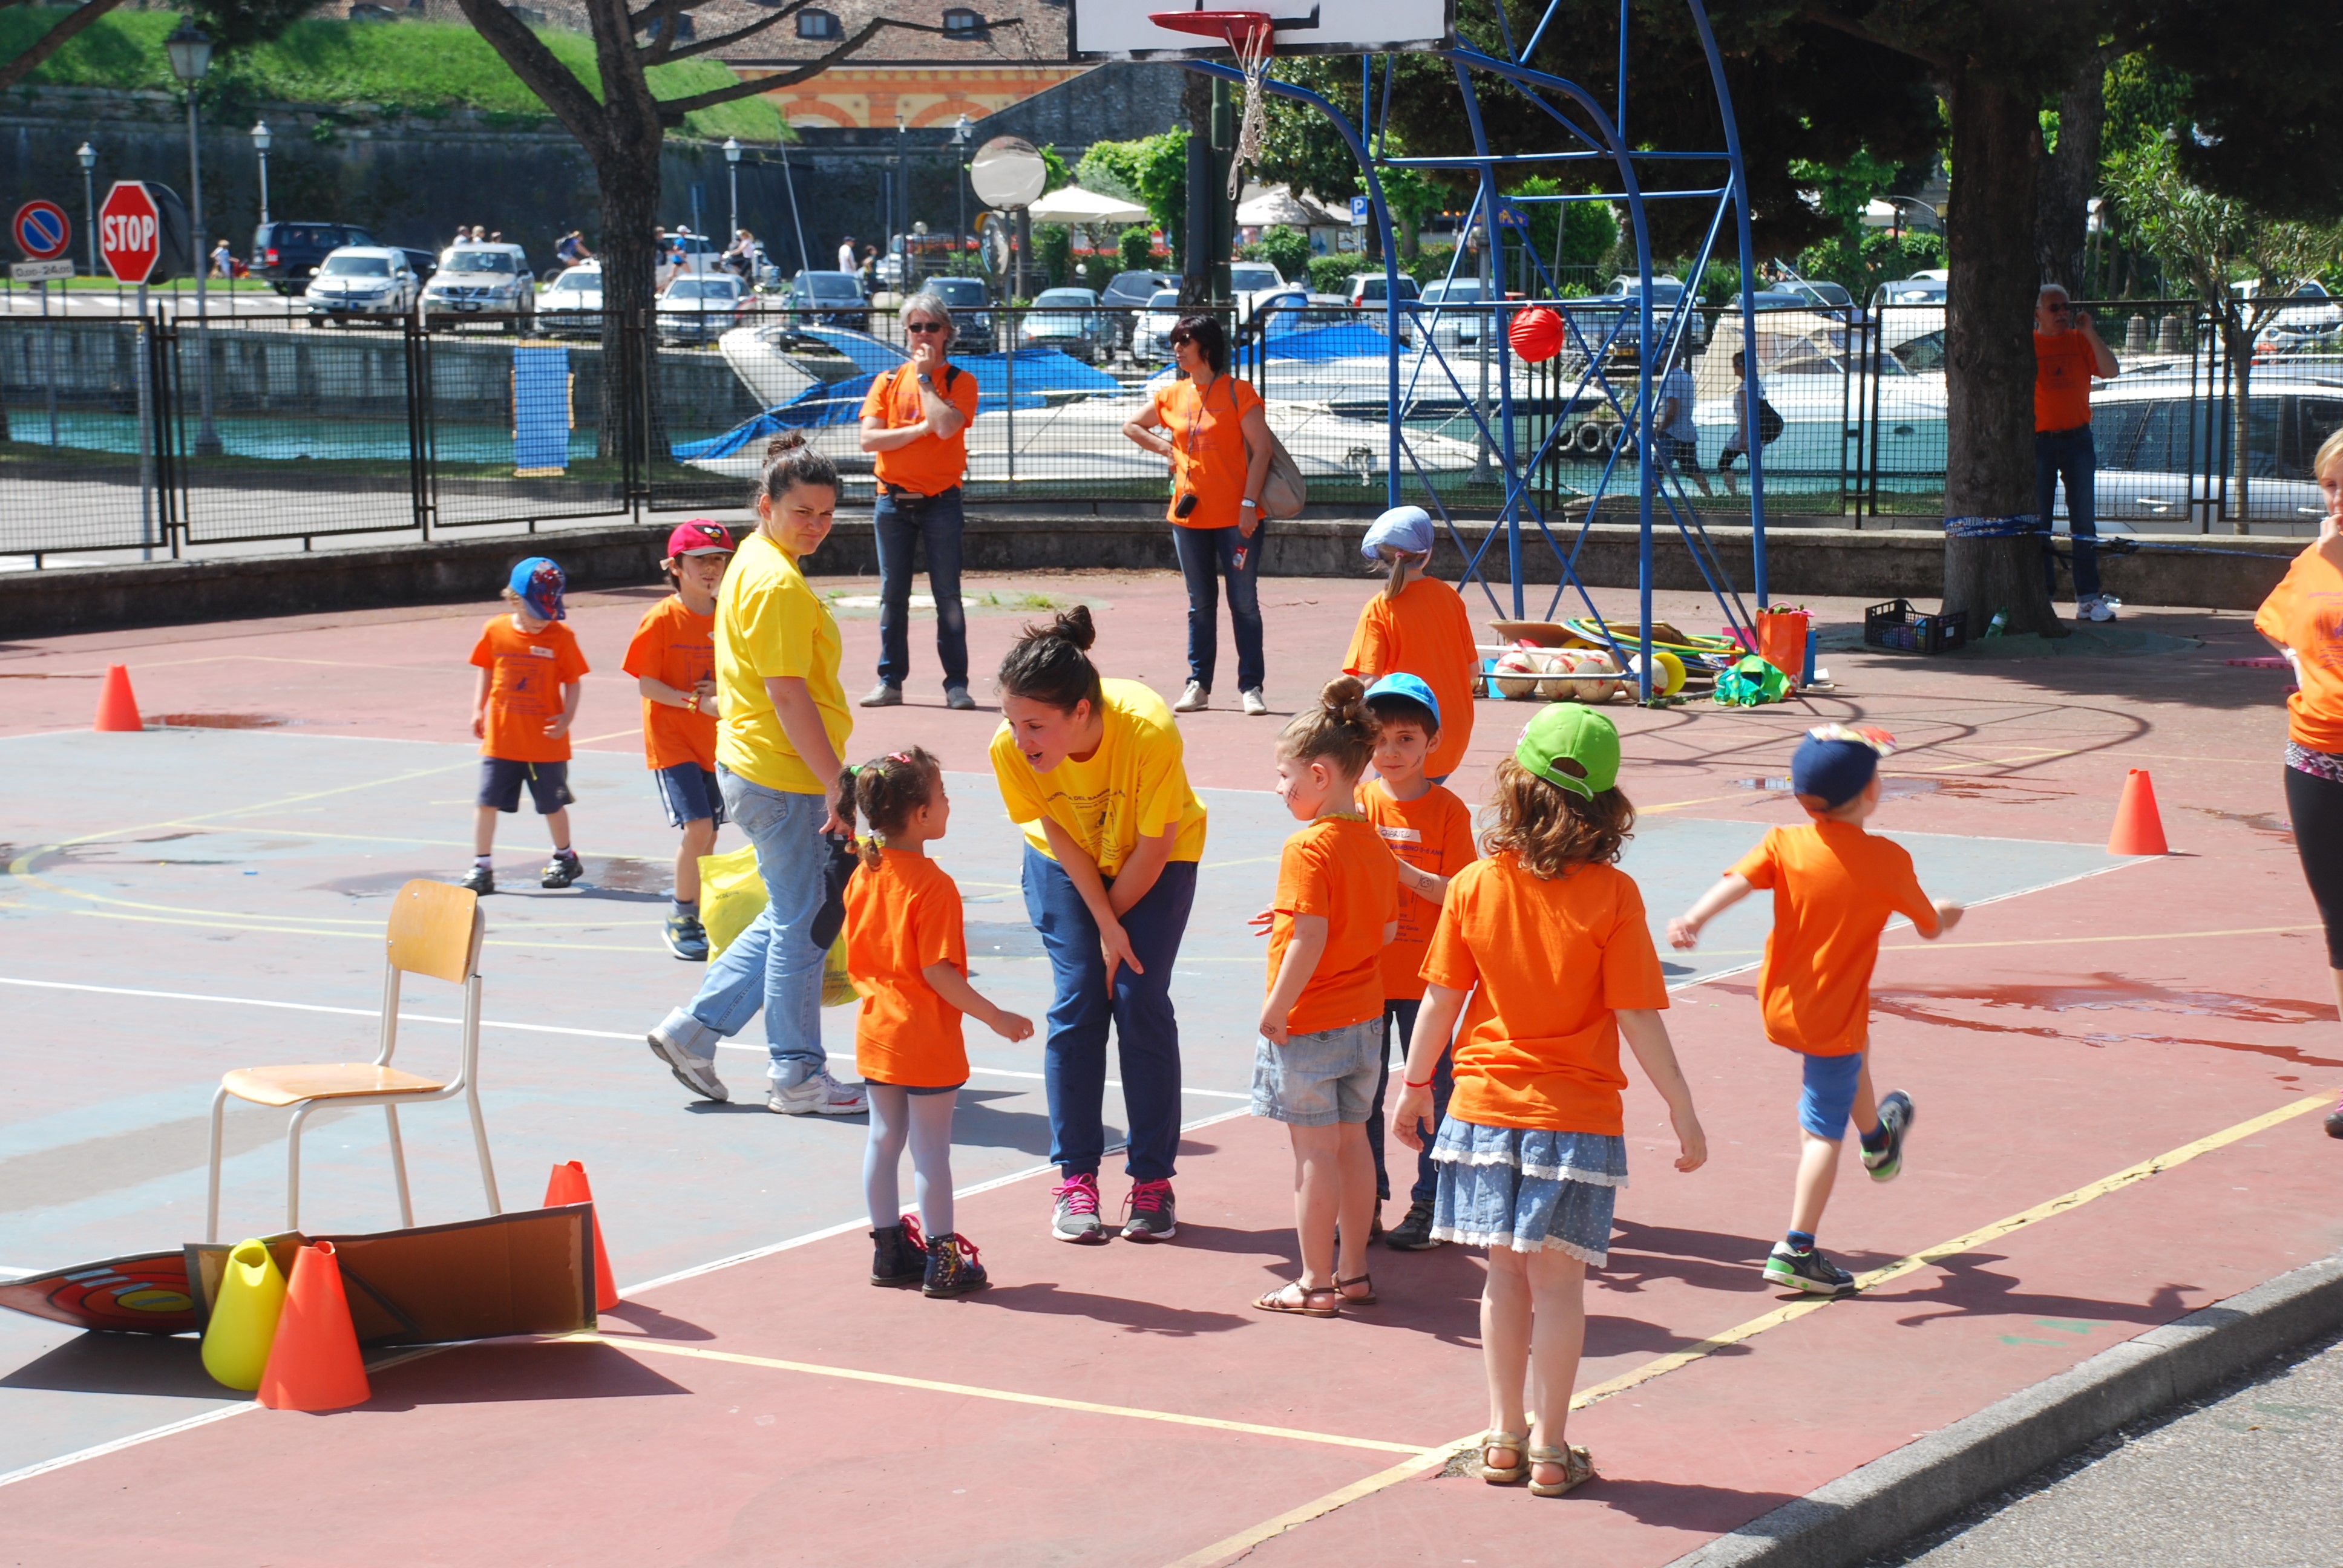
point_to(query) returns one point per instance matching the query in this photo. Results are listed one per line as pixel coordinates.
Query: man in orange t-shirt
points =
(1834, 886)
(915, 427)
(523, 705)
(673, 660)
(2068, 354)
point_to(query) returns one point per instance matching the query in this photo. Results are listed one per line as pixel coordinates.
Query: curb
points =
(1905, 1493)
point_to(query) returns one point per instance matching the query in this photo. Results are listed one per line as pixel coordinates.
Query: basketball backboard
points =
(1120, 30)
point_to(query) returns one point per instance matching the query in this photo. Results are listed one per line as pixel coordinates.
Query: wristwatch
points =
(1254, 504)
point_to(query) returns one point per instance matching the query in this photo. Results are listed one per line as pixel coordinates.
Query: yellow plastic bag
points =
(732, 895)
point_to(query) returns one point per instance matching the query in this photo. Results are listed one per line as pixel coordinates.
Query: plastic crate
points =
(1898, 625)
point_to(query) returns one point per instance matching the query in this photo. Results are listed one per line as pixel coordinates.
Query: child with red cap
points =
(522, 708)
(1833, 886)
(673, 660)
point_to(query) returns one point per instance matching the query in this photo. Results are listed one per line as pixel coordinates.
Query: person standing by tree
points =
(2068, 354)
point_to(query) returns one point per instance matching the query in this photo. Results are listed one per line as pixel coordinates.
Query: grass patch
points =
(421, 68)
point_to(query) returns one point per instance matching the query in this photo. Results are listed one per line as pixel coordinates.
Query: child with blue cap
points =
(523, 706)
(1417, 626)
(1834, 886)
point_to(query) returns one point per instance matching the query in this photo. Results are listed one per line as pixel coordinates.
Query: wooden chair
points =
(434, 929)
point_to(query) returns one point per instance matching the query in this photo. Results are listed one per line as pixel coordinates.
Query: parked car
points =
(2313, 327)
(2163, 444)
(1451, 328)
(1127, 294)
(832, 299)
(571, 304)
(700, 309)
(286, 254)
(1070, 321)
(1150, 333)
(363, 280)
(973, 327)
(1365, 289)
(472, 278)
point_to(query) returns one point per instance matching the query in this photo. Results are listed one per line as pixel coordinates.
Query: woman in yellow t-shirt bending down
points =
(1094, 771)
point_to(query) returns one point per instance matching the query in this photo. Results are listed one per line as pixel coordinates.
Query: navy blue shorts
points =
(690, 794)
(1828, 1096)
(501, 779)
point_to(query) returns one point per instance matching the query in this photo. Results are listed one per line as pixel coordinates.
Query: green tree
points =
(232, 25)
(1138, 247)
(1151, 171)
(1286, 249)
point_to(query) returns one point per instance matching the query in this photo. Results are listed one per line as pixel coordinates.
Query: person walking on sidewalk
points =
(2067, 353)
(1217, 437)
(915, 427)
(784, 718)
(1094, 771)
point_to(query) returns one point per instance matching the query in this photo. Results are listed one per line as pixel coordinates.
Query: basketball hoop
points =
(1250, 35)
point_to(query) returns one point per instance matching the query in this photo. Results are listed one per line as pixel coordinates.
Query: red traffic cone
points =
(2138, 829)
(315, 1363)
(116, 708)
(568, 1185)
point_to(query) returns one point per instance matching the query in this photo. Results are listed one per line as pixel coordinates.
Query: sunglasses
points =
(923, 327)
(1181, 340)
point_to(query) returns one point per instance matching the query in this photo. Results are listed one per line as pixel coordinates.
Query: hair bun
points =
(1344, 699)
(1075, 626)
(786, 441)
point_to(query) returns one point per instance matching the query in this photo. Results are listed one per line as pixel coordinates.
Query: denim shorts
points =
(689, 794)
(501, 779)
(1527, 1188)
(1319, 1080)
(1828, 1096)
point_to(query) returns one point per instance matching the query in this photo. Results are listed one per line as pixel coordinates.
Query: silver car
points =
(700, 309)
(482, 279)
(362, 280)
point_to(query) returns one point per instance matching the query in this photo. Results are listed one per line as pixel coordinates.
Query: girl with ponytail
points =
(1417, 626)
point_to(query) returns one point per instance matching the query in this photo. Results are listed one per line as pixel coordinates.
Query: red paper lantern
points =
(1537, 333)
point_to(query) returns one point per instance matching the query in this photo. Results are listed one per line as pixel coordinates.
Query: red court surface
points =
(1125, 1403)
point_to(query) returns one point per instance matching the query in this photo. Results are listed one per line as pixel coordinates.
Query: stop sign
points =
(129, 231)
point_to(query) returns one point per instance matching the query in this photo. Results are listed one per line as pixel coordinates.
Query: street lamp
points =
(87, 155)
(190, 49)
(260, 140)
(732, 178)
(904, 198)
(959, 195)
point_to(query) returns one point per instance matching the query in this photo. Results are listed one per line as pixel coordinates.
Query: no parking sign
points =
(43, 231)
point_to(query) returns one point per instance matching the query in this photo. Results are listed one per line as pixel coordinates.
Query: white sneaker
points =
(2105, 606)
(819, 1095)
(1193, 699)
(667, 1039)
(1256, 703)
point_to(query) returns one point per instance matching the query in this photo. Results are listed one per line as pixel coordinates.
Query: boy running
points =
(1833, 886)
(522, 708)
(673, 660)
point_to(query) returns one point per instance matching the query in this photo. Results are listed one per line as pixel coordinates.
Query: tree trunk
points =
(2069, 174)
(630, 181)
(2238, 345)
(1989, 350)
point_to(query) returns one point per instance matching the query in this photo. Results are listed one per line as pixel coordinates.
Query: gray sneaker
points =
(884, 696)
(1150, 1212)
(1074, 1212)
(818, 1094)
(1896, 1115)
(958, 699)
(666, 1042)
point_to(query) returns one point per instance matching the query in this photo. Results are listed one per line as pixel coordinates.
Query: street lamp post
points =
(87, 156)
(959, 195)
(190, 50)
(900, 221)
(260, 140)
(733, 185)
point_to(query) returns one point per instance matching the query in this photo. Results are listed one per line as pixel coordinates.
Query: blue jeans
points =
(898, 524)
(2071, 456)
(773, 964)
(1399, 1014)
(1146, 1031)
(1207, 556)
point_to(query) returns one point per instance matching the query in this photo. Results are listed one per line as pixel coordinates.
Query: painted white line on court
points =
(101, 1449)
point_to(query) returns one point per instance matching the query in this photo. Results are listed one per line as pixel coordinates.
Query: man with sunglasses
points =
(2068, 354)
(915, 427)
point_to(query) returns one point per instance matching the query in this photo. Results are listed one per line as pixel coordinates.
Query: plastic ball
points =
(1537, 333)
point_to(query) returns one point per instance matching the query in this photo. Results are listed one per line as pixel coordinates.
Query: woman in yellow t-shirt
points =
(1094, 771)
(782, 721)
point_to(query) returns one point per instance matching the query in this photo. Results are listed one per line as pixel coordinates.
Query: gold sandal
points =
(1299, 1302)
(1366, 1298)
(1577, 1470)
(1500, 1476)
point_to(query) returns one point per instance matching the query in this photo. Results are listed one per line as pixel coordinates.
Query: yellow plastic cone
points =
(244, 1318)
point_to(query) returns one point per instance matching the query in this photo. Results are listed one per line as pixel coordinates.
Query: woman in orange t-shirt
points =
(2303, 618)
(1547, 937)
(1217, 439)
(1417, 626)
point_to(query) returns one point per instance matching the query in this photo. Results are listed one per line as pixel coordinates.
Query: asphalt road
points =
(2250, 1477)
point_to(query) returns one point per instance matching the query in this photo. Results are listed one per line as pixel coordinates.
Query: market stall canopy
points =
(1077, 207)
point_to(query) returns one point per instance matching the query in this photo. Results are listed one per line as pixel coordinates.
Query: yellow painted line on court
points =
(969, 1391)
(1675, 1361)
(1924, 945)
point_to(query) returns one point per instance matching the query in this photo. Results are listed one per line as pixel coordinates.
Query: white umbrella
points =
(1277, 205)
(1077, 207)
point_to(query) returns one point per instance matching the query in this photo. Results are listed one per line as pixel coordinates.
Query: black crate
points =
(1898, 625)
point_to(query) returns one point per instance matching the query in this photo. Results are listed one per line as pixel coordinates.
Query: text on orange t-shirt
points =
(1432, 832)
(1426, 633)
(900, 918)
(526, 670)
(2305, 612)
(676, 648)
(932, 464)
(1834, 886)
(2062, 380)
(1336, 867)
(1550, 963)
(1208, 451)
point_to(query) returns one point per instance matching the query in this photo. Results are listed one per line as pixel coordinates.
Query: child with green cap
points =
(1546, 940)
(1834, 886)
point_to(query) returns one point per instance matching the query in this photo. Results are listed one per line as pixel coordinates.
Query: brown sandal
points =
(1295, 1297)
(1365, 1298)
(1577, 1470)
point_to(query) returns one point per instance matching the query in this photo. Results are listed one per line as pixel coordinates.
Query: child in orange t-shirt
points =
(524, 656)
(1834, 886)
(673, 660)
(1547, 938)
(1430, 832)
(906, 953)
(1322, 1027)
(1417, 626)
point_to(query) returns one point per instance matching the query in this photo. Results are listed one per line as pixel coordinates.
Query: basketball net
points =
(1251, 47)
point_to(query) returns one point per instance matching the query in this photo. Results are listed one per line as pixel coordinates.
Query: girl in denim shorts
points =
(1547, 940)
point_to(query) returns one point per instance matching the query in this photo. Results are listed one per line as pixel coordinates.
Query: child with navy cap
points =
(523, 705)
(1834, 886)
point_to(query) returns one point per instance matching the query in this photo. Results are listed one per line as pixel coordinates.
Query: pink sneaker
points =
(1149, 1212)
(1076, 1217)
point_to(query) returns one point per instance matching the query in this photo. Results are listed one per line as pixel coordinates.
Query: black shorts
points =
(501, 779)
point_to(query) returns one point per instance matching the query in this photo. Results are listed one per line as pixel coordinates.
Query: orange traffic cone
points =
(568, 1186)
(2138, 829)
(116, 708)
(315, 1363)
